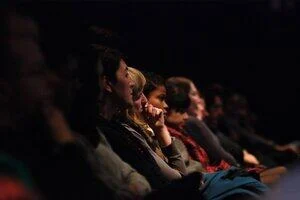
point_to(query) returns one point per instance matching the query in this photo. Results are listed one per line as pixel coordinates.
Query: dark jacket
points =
(208, 141)
(133, 149)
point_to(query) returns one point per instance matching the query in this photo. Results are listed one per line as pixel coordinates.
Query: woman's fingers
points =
(152, 112)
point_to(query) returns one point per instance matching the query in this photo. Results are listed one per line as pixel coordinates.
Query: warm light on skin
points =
(123, 86)
(157, 98)
(197, 106)
(140, 102)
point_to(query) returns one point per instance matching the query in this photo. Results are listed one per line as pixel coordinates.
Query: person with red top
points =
(180, 100)
(233, 183)
(176, 116)
(198, 153)
(156, 93)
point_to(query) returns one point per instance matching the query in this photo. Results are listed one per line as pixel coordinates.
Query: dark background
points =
(250, 47)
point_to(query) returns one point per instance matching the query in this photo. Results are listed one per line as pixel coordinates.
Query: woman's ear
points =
(106, 84)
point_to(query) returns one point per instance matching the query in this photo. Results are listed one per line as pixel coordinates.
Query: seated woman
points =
(215, 142)
(155, 91)
(126, 137)
(213, 186)
(123, 180)
(137, 115)
(179, 100)
(240, 124)
(222, 122)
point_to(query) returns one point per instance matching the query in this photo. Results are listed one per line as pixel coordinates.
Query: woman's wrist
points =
(163, 136)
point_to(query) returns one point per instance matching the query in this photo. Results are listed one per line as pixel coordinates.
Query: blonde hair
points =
(139, 82)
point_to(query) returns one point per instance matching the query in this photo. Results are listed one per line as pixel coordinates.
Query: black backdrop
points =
(244, 45)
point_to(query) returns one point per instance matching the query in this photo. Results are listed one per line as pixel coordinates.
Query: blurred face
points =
(157, 98)
(216, 110)
(139, 102)
(194, 95)
(123, 87)
(197, 106)
(243, 111)
(176, 118)
(35, 83)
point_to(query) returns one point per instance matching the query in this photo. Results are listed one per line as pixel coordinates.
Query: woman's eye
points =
(162, 98)
(137, 97)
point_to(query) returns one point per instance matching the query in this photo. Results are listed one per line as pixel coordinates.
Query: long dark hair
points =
(153, 81)
(177, 95)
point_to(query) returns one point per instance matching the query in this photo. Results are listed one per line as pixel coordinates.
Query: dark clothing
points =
(244, 133)
(198, 153)
(226, 142)
(232, 184)
(231, 147)
(227, 184)
(121, 178)
(133, 149)
(208, 141)
(191, 164)
(130, 146)
(211, 139)
(58, 171)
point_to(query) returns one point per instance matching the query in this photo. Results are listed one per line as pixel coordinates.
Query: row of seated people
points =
(123, 137)
(232, 127)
